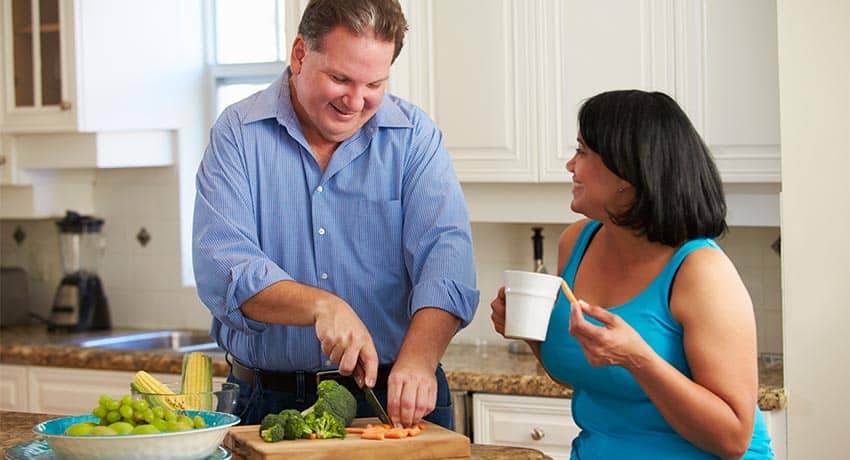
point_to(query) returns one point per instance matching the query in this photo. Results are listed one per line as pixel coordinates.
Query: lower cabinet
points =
(777, 426)
(545, 424)
(63, 391)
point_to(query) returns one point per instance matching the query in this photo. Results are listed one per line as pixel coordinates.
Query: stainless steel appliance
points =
(80, 303)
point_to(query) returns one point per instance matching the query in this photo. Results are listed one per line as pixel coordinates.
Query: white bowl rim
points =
(88, 417)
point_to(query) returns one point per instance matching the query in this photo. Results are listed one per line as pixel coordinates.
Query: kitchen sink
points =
(183, 341)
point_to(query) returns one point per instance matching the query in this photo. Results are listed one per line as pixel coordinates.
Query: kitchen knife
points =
(376, 406)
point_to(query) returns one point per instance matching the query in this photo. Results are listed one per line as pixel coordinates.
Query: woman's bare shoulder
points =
(568, 240)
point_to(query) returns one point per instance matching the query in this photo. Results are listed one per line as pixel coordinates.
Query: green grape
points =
(199, 422)
(160, 424)
(178, 426)
(113, 416)
(122, 427)
(126, 400)
(148, 415)
(112, 405)
(80, 429)
(104, 400)
(99, 412)
(185, 419)
(158, 412)
(145, 429)
(170, 416)
(140, 405)
(103, 431)
(126, 411)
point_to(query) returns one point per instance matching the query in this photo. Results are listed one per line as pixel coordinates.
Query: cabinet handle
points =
(537, 434)
(65, 105)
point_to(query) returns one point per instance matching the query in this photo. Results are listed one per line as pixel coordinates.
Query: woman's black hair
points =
(646, 139)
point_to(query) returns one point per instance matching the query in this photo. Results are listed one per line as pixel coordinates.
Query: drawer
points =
(545, 424)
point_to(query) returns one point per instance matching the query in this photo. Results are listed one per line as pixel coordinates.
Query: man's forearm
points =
(288, 302)
(429, 334)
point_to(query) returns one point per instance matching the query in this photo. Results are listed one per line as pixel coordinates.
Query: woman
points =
(661, 349)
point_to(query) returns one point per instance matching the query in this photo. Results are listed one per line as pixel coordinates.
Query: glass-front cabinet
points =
(37, 54)
(37, 67)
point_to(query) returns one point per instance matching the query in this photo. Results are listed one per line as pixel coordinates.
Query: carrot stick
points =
(414, 431)
(374, 435)
(354, 430)
(313, 436)
(396, 433)
(568, 292)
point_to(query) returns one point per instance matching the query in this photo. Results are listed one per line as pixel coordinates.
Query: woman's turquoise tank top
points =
(617, 418)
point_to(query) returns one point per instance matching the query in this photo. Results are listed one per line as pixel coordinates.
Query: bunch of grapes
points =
(128, 416)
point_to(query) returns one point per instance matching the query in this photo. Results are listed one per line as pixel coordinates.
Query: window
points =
(248, 46)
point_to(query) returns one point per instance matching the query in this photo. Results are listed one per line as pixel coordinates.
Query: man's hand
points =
(411, 393)
(347, 342)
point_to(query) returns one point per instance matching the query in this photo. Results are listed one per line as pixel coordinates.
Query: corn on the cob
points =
(196, 381)
(146, 384)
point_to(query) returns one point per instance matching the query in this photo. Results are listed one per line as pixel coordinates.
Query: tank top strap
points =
(579, 248)
(665, 278)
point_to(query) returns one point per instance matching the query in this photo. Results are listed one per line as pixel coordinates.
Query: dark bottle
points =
(538, 250)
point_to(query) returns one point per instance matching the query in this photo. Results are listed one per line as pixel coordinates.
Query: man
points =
(330, 229)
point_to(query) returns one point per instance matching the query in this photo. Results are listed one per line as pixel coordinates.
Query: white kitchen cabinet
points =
(13, 387)
(777, 427)
(504, 79)
(545, 424)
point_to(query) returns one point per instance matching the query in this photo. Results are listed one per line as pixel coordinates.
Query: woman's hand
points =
(613, 343)
(498, 315)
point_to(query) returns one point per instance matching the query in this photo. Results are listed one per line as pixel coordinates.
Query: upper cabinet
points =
(504, 78)
(90, 65)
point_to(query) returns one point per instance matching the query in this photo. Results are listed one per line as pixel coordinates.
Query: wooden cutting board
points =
(432, 443)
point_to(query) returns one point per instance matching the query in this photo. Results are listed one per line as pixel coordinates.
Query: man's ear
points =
(296, 57)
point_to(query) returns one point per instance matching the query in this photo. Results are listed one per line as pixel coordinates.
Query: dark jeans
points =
(255, 402)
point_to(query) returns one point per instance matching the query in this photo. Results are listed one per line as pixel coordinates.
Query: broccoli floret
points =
(293, 424)
(327, 426)
(273, 434)
(336, 400)
(269, 421)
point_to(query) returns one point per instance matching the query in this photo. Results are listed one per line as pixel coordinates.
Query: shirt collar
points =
(274, 102)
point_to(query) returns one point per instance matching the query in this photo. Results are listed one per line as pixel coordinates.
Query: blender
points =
(80, 304)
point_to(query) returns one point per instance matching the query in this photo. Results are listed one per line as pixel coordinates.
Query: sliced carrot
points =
(354, 430)
(313, 436)
(396, 433)
(386, 427)
(421, 426)
(374, 435)
(414, 431)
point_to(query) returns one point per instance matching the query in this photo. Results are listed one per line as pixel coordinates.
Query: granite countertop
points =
(478, 369)
(16, 427)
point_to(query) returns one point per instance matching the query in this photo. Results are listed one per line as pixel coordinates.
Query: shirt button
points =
(324, 276)
(320, 189)
(321, 230)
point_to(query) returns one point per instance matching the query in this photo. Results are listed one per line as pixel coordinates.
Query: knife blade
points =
(376, 406)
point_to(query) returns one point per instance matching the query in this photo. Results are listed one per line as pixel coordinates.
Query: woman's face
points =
(596, 190)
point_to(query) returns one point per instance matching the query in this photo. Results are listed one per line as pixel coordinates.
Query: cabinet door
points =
(37, 62)
(545, 424)
(777, 428)
(13, 387)
(471, 66)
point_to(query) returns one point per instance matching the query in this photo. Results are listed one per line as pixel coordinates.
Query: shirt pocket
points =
(379, 227)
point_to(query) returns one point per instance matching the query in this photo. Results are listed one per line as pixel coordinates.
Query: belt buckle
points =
(323, 374)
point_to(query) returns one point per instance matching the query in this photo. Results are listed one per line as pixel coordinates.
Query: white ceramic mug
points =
(529, 299)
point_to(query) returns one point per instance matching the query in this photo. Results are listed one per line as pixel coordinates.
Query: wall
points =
(144, 283)
(814, 90)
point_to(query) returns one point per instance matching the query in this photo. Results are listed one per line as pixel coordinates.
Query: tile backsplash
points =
(145, 289)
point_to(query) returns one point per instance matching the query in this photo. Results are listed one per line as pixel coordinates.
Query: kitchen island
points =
(16, 427)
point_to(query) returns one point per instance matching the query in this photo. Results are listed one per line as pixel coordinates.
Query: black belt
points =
(288, 382)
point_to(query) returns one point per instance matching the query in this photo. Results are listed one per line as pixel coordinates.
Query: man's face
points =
(338, 89)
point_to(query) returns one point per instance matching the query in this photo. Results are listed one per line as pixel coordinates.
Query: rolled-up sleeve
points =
(437, 235)
(230, 266)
